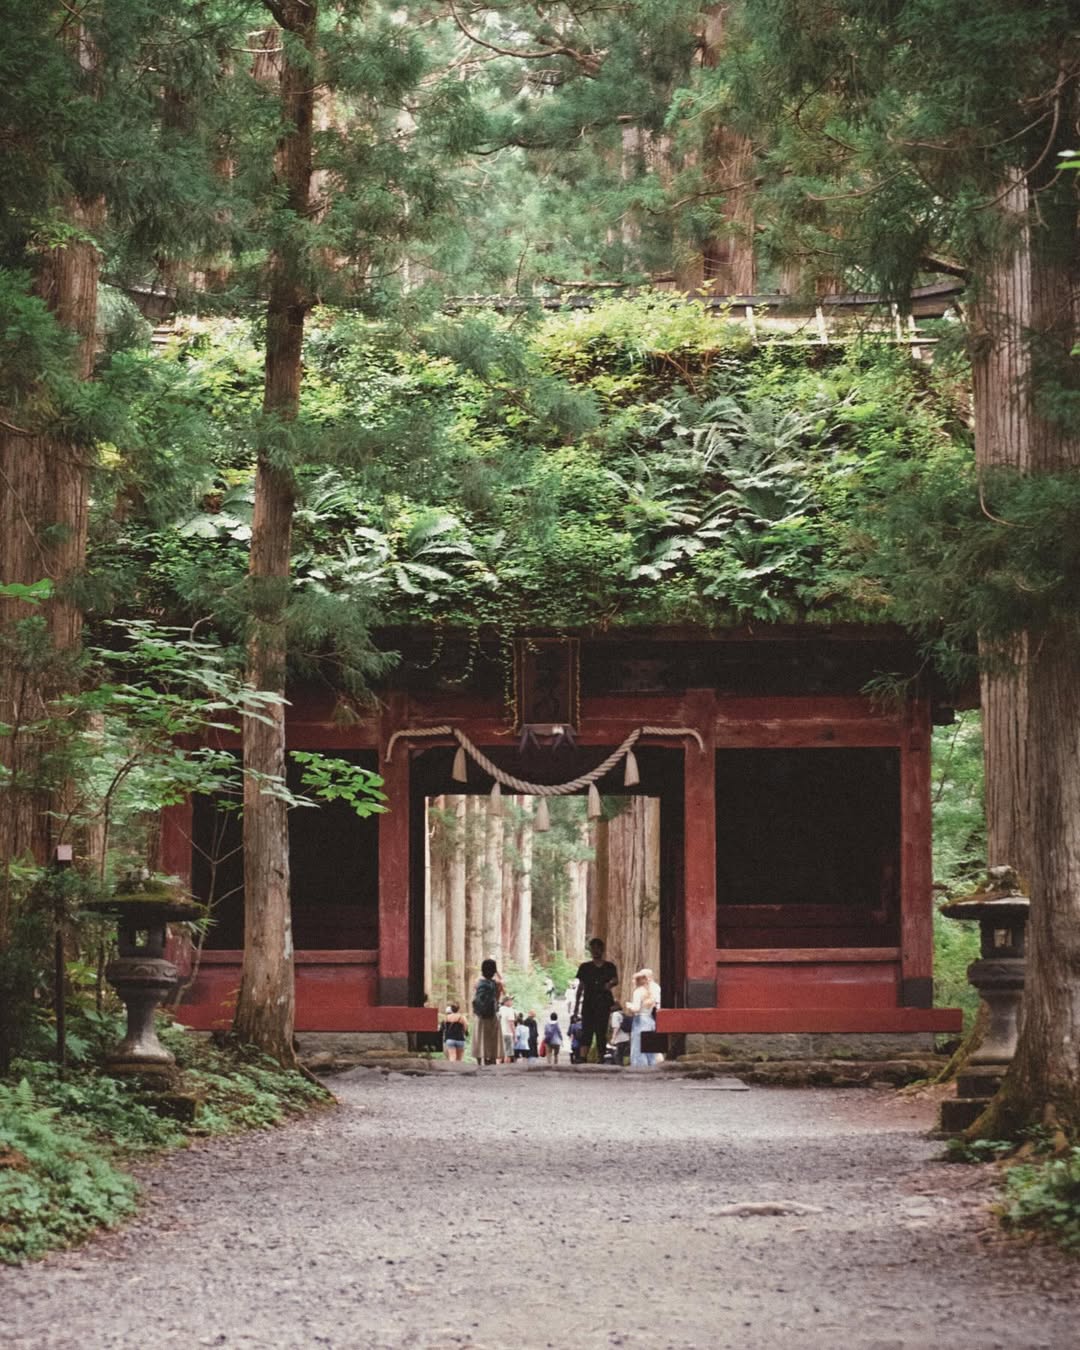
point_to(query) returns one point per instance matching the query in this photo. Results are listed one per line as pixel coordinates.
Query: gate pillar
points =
(699, 864)
(394, 860)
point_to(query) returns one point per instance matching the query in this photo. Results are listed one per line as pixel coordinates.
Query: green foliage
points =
(636, 463)
(1044, 1197)
(957, 798)
(333, 780)
(525, 987)
(959, 854)
(55, 1189)
(561, 969)
(977, 1150)
(66, 1137)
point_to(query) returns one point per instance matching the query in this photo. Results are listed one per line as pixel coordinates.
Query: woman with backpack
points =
(487, 1036)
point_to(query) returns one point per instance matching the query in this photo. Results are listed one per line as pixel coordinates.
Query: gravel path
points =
(508, 1210)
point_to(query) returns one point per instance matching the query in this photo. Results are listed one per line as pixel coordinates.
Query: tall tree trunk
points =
(577, 906)
(726, 261)
(475, 863)
(1043, 1083)
(596, 914)
(632, 882)
(493, 883)
(508, 898)
(999, 328)
(522, 952)
(265, 1010)
(455, 927)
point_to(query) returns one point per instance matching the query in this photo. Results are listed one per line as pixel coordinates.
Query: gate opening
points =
(497, 886)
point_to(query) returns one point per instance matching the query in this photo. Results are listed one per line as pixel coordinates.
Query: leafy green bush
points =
(1044, 1197)
(64, 1137)
(55, 1186)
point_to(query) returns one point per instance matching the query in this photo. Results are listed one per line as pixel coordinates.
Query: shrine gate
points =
(795, 823)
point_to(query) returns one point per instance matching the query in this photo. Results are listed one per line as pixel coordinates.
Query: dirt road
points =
(510, 1210)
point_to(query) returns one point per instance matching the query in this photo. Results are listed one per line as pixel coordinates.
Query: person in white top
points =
(507, 1025)
(619, 1039)
(643, 1006)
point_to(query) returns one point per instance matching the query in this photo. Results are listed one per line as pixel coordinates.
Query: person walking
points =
(595, 981)
(552, 1039)
(534, 1035)
(521, 1040)
(642, 1007)
(454, 1031)
(487, 1036)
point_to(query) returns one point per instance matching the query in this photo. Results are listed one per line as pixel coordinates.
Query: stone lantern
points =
(1001, 911)
(141, 974)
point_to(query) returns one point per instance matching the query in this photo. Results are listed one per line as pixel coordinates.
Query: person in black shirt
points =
(596, 979)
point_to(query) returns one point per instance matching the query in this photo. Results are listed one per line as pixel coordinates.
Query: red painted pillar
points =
(394, 860)
(174, 848)
(916, 862)
(699, 865)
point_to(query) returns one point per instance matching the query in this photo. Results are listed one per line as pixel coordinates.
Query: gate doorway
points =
(498, 886)
(485, 882)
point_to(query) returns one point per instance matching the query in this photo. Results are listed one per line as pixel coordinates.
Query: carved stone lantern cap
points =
(1000, 901)
(140, 898)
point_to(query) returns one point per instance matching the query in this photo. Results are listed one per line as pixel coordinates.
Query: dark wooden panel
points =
(766, 1021)
(792, 916)
(727, 956)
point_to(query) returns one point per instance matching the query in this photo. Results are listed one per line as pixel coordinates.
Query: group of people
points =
(502, 1035)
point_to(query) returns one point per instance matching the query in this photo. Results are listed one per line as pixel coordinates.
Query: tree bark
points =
(1042, 1085)
(999, 325)
(265, 1011)
(44, 499)
(577, 908)
(455, 928)
(475, 861)
(522, 951)
(725, 262)
(491, 933)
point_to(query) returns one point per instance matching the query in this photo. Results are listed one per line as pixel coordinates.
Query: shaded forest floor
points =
(491, 1209)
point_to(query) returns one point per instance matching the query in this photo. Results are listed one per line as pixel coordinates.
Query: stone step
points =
(957, 1113)
(979, 1081)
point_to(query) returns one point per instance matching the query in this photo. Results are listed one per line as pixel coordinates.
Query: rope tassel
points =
(460, 771)
(631, 777)
(542, 819)
(596, 810)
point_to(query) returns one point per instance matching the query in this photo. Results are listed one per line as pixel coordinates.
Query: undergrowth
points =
(65, 1138)
(1041, 1187)
(1043, 1197)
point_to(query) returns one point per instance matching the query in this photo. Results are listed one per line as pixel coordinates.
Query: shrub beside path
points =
(493, 1210)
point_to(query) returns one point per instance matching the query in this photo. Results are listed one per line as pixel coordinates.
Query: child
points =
(553, 1039)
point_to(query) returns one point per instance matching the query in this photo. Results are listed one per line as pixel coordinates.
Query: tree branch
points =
(588, 62)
